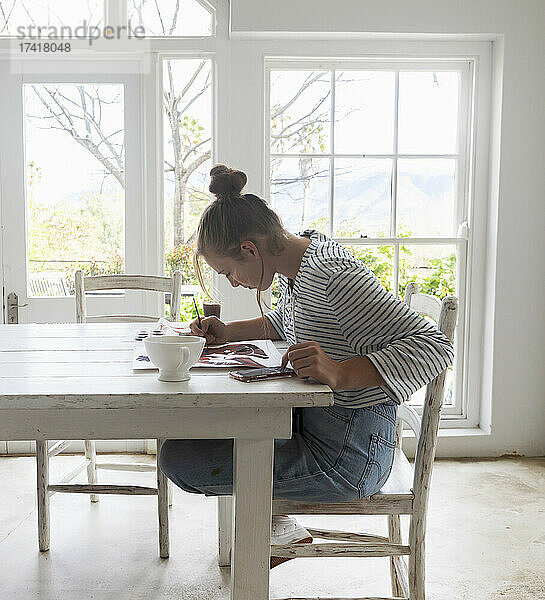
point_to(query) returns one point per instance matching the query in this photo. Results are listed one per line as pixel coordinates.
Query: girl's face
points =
(245, 271)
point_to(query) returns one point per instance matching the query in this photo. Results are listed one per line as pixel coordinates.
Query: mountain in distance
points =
(425, 205)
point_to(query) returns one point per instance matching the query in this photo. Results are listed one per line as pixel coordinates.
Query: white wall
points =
(515, 332)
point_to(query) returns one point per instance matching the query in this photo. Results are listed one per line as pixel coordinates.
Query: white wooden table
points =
(76, 382)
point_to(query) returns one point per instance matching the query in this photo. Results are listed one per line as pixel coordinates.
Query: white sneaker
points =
(286, 530)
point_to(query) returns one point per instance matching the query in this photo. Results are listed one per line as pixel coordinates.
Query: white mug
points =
(174, 355)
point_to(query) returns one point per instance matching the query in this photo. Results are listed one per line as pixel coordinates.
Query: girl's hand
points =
(309, 360)
(214, 330)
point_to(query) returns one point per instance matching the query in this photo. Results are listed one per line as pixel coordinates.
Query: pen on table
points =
(198, 315)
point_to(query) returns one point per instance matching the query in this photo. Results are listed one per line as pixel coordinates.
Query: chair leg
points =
(91, 454)
(162, 507)
(170, 492)
(225, 528)
(42, 471)
(417, 561)
(394, 535)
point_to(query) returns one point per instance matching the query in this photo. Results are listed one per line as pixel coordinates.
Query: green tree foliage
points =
(85, 234)
(435, 276)
(180, 258)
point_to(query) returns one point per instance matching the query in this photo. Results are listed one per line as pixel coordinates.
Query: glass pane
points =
(380, 260)
(449, 396)
(300, 111)
(275, 293)
(428, 112)
(364, 112)
(300, 192)
(32, 14)
(362, 197)
(165, 17)
(433, 267)
(417, 399)
(75, 181)
(187, 127)
(426, 205)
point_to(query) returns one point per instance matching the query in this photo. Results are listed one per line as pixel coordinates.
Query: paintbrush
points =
(198, 315)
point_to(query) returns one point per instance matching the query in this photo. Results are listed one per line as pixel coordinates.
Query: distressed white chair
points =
(404, 493)
(163, 490)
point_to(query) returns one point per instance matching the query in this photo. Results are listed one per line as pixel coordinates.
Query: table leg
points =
(42, 483)
(225, 529)
(162, 507)
(252, 497)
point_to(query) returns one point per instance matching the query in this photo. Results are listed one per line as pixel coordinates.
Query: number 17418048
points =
(45, 47)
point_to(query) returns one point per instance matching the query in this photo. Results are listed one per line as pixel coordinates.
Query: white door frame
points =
(12, 165)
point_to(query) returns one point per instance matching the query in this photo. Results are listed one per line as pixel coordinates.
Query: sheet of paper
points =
(173, 327)
(244, 355)
(241, 355)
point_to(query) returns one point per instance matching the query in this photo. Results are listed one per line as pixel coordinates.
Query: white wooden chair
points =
(405, 492)
(163, 491)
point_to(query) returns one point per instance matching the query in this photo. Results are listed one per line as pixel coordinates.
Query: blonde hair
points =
(232, 218)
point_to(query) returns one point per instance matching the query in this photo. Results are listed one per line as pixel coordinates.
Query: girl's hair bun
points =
(225, 182)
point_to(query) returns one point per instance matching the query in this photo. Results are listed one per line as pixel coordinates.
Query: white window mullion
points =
(396, 271)
(392, 240)
(266, 181)
(332, 158)
(153, 233)
(115, 13)
(393, 216)
(464, 177)
(339, 155)
(241, 135)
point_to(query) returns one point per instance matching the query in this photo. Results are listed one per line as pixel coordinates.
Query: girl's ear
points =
(250, 247)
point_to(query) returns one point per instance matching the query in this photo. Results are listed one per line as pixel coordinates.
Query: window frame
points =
(465, 411)
(74, 73)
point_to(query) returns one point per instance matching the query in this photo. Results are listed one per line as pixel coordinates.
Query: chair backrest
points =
(444, 314)
(126, 282)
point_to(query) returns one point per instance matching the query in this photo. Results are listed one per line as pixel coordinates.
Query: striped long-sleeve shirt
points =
(338, 302)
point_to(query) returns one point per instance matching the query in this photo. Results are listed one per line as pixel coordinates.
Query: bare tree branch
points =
(299, 179)
(306, 116)
(90, 120)
(195, 148)
(66, 121)
(195, 97)
(192, 78)
(8, 17)
(196, 164)
(160, 17)
(306, 84)
(293, 133)
(175, 17)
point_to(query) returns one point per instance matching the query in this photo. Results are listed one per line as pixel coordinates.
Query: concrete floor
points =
(486, 541)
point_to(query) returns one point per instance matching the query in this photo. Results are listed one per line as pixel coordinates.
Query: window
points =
(75, 216)
(187, 153)
(48, 13)
(156, 18)
(171, 17)
(373, 154)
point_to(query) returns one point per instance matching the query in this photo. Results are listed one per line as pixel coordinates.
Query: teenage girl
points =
(343, 329)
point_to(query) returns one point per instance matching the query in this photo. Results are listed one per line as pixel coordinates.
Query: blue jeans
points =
(336, 454)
